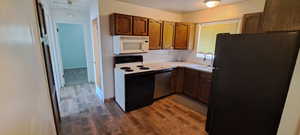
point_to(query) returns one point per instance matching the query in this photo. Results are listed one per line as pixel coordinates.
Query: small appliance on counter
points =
(130, 44)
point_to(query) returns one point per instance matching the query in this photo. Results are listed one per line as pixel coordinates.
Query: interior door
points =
(48, 65)
(97, 52)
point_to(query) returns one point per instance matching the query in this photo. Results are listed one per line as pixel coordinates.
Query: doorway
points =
(71, 45)
(73, 55)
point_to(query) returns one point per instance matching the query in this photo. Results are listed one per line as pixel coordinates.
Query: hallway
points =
(76, 99)
(75, 76)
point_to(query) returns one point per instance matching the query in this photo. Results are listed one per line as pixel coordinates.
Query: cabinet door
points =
(155, 28)
(181, 36)
(168, 35)
(281, 15)
(252, 23)
(191, 79)
(191, 36)
(177, 80)
(205, 86)
(121, 24)
(140, 26)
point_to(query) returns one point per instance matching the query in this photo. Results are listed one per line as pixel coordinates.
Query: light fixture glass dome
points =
(212, 3)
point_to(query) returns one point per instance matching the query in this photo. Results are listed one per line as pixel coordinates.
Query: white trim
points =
(222, 22)
(86, 47)
(76, 67)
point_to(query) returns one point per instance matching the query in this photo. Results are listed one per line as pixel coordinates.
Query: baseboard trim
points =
(100, 93)
(66, 68)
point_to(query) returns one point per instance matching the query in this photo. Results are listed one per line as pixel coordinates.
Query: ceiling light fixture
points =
(212, 3)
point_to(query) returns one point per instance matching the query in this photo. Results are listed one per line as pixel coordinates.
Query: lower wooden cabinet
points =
(192, 83)
(191, 79)
(177, 80)
(204, 87)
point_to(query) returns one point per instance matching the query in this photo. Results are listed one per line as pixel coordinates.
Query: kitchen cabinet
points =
(177, 78)
(140, 26)
(192, 83)
(155, 34)
(181, 36)
(168, 35)
(191, 36)
(120, 24)
(281, 15)
(204, 87)
(191, 79)
(252, 23)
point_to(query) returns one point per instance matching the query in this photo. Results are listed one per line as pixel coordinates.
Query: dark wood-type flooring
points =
(163, 117)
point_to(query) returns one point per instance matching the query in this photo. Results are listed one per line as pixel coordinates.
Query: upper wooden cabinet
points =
(181, 36)
(252, 23)
(120, 24)
(191, 36)
(281, 15)
(155, 31)
(140, 26)
(168, 35)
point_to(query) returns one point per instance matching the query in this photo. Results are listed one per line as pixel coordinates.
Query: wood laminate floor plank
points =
(163, 117)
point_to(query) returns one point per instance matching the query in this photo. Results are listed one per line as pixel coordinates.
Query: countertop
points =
(166, 65)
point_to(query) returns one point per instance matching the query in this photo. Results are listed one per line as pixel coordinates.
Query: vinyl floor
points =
(173, 115)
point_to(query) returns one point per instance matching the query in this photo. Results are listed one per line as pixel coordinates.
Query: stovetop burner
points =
(125, 68)
(144, 68)
(140, 66)
(129, 70)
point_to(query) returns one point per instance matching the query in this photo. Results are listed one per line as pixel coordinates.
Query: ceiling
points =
(176, 5)
(76, 4)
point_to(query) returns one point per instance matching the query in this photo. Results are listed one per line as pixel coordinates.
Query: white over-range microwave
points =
(130, 44)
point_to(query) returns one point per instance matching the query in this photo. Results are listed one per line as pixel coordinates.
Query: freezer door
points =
(250, 82)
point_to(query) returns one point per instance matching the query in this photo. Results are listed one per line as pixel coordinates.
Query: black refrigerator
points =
(251, 78)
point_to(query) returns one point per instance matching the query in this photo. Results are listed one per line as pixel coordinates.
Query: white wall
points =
(290, 121)
(108, 7)
(24, 98)
(220, 13)
(226, 12)
(63, 15)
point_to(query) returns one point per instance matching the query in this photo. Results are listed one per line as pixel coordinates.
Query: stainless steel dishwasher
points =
(163, 84)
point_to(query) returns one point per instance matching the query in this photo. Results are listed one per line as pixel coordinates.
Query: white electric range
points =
(136, 83)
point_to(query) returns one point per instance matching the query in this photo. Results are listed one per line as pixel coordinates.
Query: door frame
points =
(43, 28)
(97, 51)
(90, 67)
